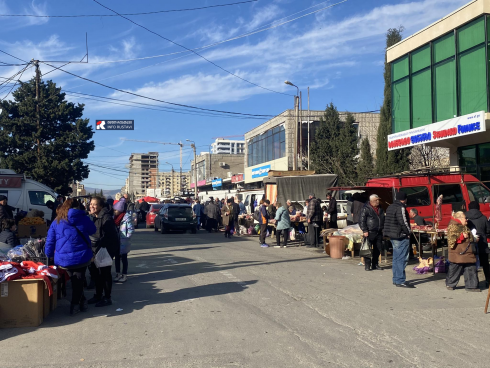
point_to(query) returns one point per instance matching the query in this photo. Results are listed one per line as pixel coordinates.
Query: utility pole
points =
(308, 128)
(180, 180)
(38, 80)
(193, 145)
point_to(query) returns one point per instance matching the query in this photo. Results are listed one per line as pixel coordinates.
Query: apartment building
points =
(143, 173)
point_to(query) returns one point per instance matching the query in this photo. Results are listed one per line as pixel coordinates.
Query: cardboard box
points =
(34, 231)
(21, 303)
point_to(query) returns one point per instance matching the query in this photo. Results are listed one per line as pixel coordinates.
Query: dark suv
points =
(174, 216)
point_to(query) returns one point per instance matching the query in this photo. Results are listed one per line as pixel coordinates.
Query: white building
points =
(227, 146)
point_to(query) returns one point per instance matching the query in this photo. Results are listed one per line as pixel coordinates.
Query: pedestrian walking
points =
(371, 224)
(106, 236)
(264, 219)
(314, 216)
(397, 228)
(235, 213)
(461, 254)
(477, 221)
(213, 214)
(227, 217)
(124, 224)
(144, 208)
(68, 241)
(198, 211)
(283, 224)
(332, 211)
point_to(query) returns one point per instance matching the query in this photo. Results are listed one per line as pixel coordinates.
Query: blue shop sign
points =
(261, 171)
(217, 183)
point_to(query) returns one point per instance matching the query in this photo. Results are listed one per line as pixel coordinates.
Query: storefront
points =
(256, 174)
(440, 88)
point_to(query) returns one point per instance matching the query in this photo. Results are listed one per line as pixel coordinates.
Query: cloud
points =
(37, 9)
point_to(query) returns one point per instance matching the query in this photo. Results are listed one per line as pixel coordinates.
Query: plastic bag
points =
(251, 230)
(242, 230)
(102, 258)
(17, 254)
(292, 234)
(365, 250)
(440, 266)
(425, 266)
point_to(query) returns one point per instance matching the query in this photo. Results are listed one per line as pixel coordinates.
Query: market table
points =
(434, 235)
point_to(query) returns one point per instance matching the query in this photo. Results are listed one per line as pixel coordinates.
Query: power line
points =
(111, 15)
(15, 57)
(157, 100)
(188, 49)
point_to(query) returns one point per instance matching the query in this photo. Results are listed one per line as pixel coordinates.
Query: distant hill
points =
(108, 192)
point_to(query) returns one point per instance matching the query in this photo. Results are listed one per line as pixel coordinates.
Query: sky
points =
(338, 51)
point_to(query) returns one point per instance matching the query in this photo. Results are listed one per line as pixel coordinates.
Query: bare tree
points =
(423, 156)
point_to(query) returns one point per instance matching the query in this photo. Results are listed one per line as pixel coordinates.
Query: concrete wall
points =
(233, 163)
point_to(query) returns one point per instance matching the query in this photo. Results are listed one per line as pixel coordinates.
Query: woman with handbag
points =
(123, 221)
(461, 255)
(105, 240)
(68, 242)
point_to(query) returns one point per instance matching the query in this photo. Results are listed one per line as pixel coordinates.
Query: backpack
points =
(257, 216)
(127, 228)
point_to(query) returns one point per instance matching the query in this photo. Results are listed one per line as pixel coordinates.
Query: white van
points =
(25, 194)
(249, 197)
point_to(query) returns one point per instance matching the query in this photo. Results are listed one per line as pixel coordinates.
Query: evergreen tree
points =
(101, 193)
(365, 168)
(52, 152)
(335, 146)
(389, 162)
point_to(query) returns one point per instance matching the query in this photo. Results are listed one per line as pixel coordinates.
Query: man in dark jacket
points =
(213, 214)
(236, 212)
(357, 205)
(476, 220)
(198, 211)
(106, 236)
(371, 224)
(397, 228)
(144, 208)
(332, 211)
(314, 216)
(5, 209)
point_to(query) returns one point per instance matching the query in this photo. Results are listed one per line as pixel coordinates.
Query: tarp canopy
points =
(149, 199)
(298, 188)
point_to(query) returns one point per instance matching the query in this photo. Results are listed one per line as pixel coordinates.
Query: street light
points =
(193, 145)
(297, 107)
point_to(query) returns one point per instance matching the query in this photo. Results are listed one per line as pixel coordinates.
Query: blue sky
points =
(337, 52)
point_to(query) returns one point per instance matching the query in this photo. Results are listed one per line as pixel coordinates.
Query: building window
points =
(475, 160)
(441, 80)
(271, 145)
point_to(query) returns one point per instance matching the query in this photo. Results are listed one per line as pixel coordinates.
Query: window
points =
(421, 99)
(400, 68)
(39, 198)
(417, 196)
(451, 193)
(478, 192)
(401, 105)
(271, 145)
(472, 87)
(484, 153)
(445, 90)
(467, 156)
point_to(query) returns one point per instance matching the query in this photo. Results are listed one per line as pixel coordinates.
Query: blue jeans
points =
(400, 259)
(198, 222)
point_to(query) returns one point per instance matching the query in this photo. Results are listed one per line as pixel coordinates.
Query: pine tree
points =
(51, 154)
(335, 146)
(101, 193)
(365, 168)
(389, 162)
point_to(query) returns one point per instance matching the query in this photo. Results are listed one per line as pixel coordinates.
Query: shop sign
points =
(200, 183)
(237, 178)
(260, 171)
(217, 183)
(462, 125)
(10, 182)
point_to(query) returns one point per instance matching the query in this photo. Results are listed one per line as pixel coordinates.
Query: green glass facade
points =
(445, 78)
(475, 159)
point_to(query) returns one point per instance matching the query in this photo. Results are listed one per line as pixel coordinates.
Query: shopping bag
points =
(102, 258)
(292, 234)
(365, 250)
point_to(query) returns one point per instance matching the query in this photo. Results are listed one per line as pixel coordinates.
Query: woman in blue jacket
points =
(68, 241)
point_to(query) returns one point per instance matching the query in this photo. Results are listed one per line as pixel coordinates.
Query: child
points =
(123, 221)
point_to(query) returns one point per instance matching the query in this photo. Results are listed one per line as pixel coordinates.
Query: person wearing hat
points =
(371, 224)
(5, 209)
(478, 221)
(124, 224)
(397, 228)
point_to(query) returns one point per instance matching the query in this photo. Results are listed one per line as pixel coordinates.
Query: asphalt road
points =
(206, 301)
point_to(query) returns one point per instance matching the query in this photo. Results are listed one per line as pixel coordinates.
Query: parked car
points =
(152, 212)
(175, 216)
(422, 190)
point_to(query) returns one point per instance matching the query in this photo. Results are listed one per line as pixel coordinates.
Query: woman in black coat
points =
(107, 237)
(476, 220)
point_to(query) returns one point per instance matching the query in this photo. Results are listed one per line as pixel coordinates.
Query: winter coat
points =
(396, 224)
(236, 211)
(243, 210)
(419, 220)
(212, 211)
(70, 248)
(264, 215)
(144, 206)
(8, 237)
(371, 222)
(6, 212)
(314, 210)
(106, 235)
(349, 211)
(226, 218)
(283, 219)
(476, 220)
(457, 245)
(126, 229)
(198, 209)
(332, 210)
(356, 210)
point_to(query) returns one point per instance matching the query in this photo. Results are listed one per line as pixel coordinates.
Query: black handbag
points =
(472, 247)
(365, 250)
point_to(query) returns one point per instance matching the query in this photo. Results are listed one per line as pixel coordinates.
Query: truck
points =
(25, 194)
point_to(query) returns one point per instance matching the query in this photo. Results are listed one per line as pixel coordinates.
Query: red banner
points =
(237, 178)
(10, 182)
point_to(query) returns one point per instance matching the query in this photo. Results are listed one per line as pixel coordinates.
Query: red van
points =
(422, 190)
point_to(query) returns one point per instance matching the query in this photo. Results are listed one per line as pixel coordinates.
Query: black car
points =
(175, 216)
